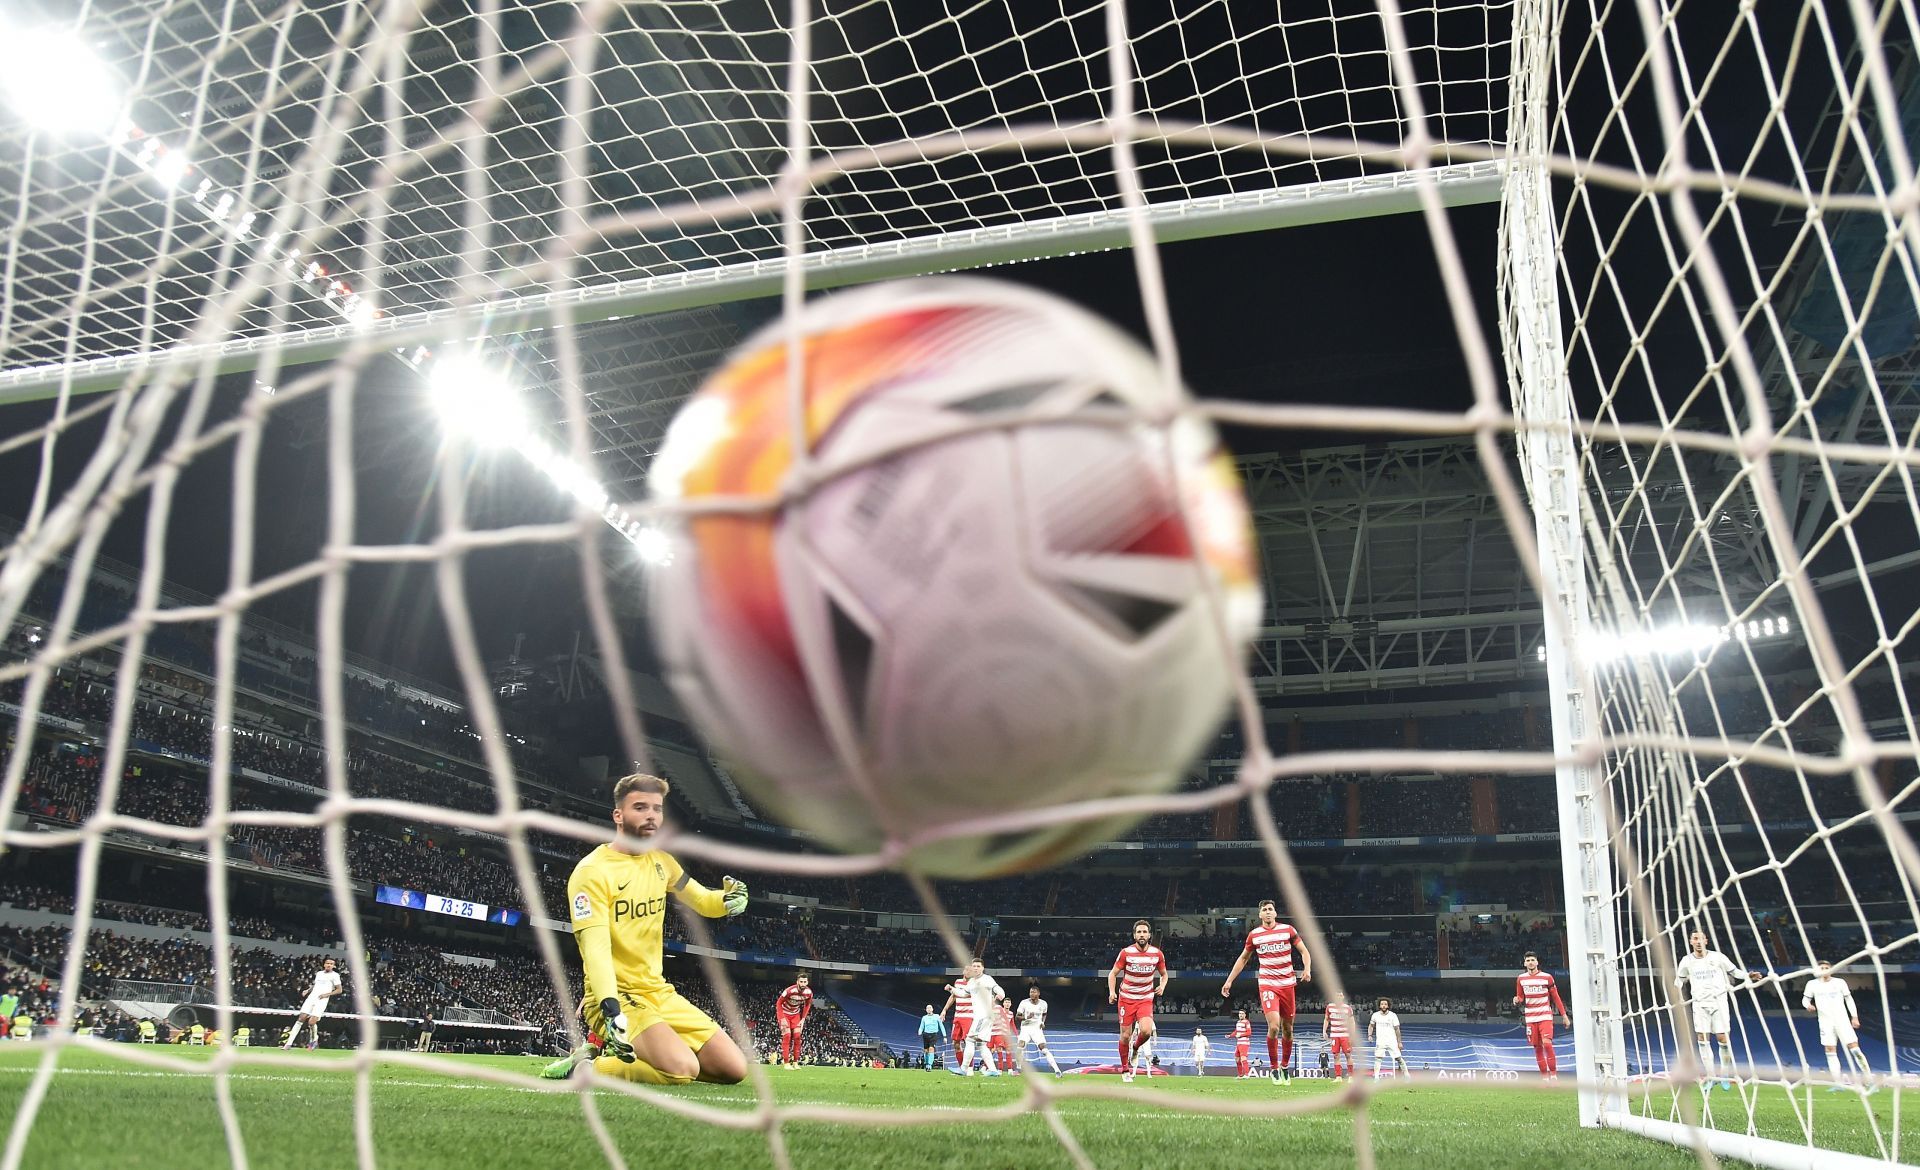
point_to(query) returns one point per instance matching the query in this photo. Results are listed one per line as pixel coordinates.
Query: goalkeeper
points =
(617, 901)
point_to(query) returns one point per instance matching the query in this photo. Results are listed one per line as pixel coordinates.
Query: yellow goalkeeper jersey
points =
(625, 894)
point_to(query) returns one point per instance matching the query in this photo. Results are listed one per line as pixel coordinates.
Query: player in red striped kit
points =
(1541, 999)
(791, 1009)
(1141, 972)
(1276, 944)
(1336, 1028)
(1000, 1048)
(1242, 1042)
(961, 1005)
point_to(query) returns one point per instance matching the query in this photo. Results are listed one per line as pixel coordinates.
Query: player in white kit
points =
(326, 985)
(1033, 1027)
(1197, 1050)
(1707, 977)
(1831, 1001)
(1384, 1030)
(983, 993)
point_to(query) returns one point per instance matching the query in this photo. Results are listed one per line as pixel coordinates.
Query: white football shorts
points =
(315, 1006)
(1710, 1017)
(1033, 1034)
(1837, 1034)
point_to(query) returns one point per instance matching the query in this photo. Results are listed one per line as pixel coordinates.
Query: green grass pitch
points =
(104, 1111)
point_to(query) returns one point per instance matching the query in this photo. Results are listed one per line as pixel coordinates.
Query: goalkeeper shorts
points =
(644, 1009)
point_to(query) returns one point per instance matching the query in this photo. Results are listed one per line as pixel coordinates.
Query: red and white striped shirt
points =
(1242, 1032)
(1273, 946)
(794, 1001)
(1139, 969)
(1339, 1020)
(962, 1000)
(1539, 998)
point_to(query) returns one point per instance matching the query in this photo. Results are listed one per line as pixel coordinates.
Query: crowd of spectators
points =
(25, 896)
(62, 783)
(404, 978)
(283, 668)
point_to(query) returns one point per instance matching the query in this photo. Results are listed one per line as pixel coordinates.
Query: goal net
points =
(1694, 412)
(1708, 274)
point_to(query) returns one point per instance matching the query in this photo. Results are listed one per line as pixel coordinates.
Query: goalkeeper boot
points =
(563, 1068)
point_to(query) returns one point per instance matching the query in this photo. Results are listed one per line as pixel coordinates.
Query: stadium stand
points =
(1398, 895)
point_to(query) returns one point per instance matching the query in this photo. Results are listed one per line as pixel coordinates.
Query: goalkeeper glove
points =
(613, 1033)
(733, 895)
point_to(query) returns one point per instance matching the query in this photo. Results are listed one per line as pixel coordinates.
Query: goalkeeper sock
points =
(639, 1070)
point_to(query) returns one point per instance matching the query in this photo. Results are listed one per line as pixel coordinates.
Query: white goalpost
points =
(1698, 409)
(1701, 792)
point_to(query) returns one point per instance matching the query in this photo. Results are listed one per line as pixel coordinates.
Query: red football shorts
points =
(1343, 1044)
(789, 1023)
(1540, 1033)
(1277, 999)
(1133, 1011)
(961, 1027)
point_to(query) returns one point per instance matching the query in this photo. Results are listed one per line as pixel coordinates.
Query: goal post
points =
(1708, 782)
(1297, 205)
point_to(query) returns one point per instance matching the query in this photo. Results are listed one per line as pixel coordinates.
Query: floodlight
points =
(653, 546)
(169, 167)
(54, 81)
(475, 400)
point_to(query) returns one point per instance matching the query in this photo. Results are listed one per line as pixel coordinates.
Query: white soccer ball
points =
(998, 608)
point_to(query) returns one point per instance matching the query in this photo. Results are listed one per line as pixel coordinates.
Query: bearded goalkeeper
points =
(617, 901)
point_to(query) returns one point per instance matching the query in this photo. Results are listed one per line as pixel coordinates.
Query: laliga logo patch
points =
(582, 906)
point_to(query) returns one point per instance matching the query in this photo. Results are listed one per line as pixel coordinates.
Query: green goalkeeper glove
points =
(733, 895)
(613, 1032)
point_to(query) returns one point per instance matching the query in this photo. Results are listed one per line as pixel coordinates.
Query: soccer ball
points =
(985, 602)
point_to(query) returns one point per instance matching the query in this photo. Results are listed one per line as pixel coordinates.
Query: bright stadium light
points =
(475, 400)
(1673, 638)
(653, 546)
(57, 83)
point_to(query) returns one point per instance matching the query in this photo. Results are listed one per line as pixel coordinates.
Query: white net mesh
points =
(1753, 796)
(1707, 306)
(271, 127)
